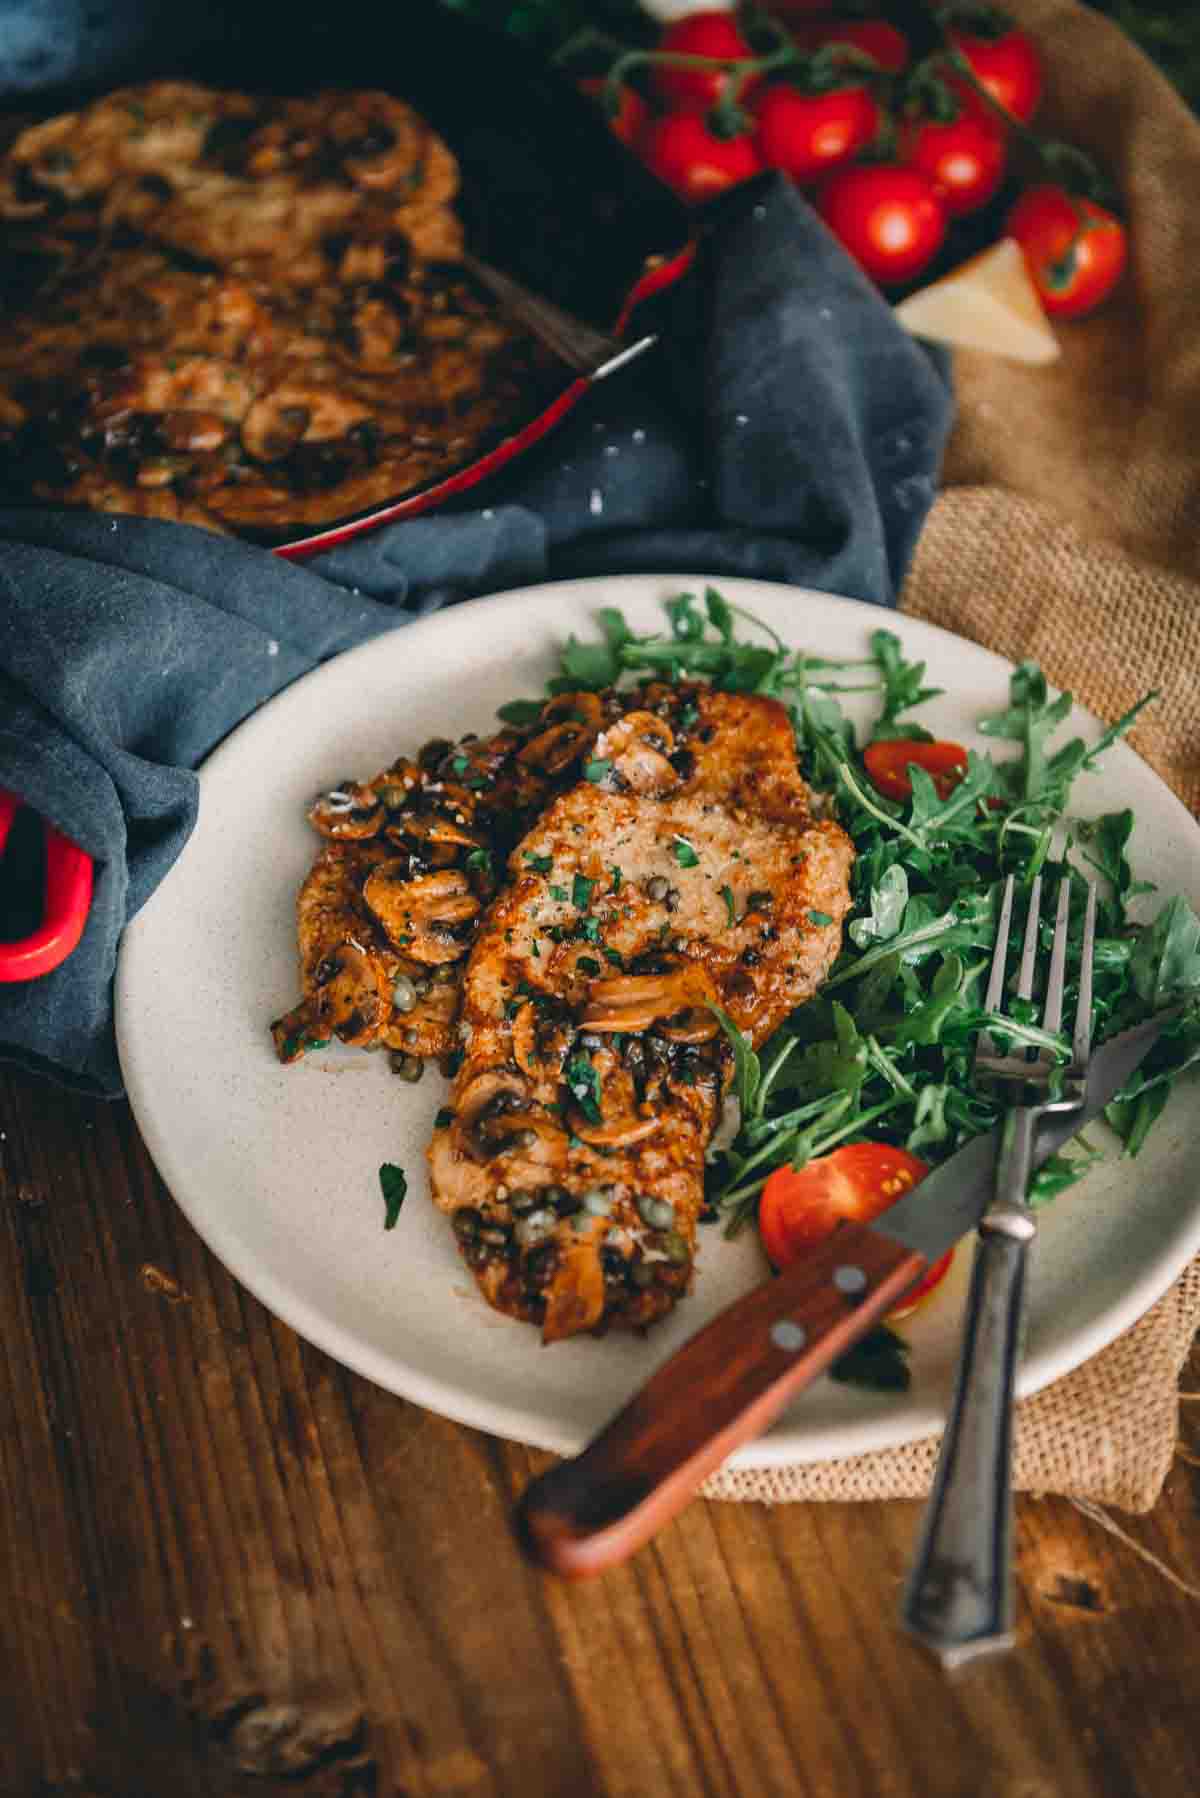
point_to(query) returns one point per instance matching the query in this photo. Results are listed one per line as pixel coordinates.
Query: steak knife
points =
(732, 1379)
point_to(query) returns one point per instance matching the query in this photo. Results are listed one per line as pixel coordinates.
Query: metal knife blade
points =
(950, 1201)
(731, 1380)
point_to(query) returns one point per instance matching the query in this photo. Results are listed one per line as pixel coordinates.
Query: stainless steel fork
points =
(959, 1595)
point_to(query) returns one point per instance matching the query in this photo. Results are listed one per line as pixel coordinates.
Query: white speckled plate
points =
(277, 1167)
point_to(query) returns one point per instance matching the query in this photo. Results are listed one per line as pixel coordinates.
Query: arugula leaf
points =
(394, 1187)
(879, 1361)
(902, 688)
(747, 1071)
(888, 901)
(521, 711)
(1166, 958)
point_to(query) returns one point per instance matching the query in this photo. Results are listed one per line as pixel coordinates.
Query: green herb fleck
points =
(444, 1118)
(479, 861)
(684, 854)
(559, 893)
(588, 964)
(819, 917)
(521, 711)
(584, 1082)
(730, 907)
(581, 892)
(541, 864)
(597, 768)
(617, 878)
(394, 1186)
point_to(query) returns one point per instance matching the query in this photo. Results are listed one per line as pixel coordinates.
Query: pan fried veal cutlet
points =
(570, 1159)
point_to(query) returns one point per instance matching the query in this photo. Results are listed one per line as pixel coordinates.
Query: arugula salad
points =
(883, 1053)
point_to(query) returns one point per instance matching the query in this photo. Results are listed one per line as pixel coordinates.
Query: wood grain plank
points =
(229, 1568)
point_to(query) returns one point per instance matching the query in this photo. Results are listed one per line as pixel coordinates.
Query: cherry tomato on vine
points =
(1075, 250)
(681, 150)
(629, 120)
(800, 1208)
(887, 763)
(807, 135)
(963, 157)
(1005, 62)
(698, 34)
(889, 219)
(874, 37)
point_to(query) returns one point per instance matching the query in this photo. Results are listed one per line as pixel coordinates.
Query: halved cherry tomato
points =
(630, 117)
(1004, 61)
(887, 763)
(807, 135)
(681, 150)
(963, 157)
(801, 1207)
(874, 37)
(698, 34)
(1074, 250)
(888, 218)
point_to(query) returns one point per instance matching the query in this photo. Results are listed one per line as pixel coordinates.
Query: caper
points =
(658, 887)
(408, 1067)
(642, 1274)
(466, 1222)
(565, 1203)
(497, 1234)
(658, 1213)
(524, 1139)
(404, 993)
(421, 988)
(675, 1248)
(411, 1038)
(597, 1201)
(392, 796)
(522, 1202)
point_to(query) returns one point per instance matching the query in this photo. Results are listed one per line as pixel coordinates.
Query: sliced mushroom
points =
(433, 827)
(639, 746)
(348, 812)
(635, 1001)
(352, 1001)
(618, 1133)
(540, 1040)
(568, 726)
(273, 427)
(485, 1089)
(184, 430)
(694, 1025)
(420, 915)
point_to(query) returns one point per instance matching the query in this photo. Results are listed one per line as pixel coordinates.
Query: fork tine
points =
(1029, 951)
(995, 987)
(1081, 1048)
(1055, 978)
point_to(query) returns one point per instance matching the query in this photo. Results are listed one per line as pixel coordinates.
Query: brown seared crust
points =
(458, 810)
(571, 1161)
(244, 311)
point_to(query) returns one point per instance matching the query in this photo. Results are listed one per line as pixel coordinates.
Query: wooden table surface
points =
(229, 1567)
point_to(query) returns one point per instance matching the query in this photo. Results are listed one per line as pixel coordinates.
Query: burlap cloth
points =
(1069, 530)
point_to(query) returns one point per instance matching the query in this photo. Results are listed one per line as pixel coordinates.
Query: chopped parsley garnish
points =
(590, 929)
(581, 892)
(559, 893)
(597, 768)
(589, 964)
(617, 878)
(684, 854)
(460, 764)
(444, 1117)
(613, 956)
(584, 1082)
(819, 917)
(540, 864)
(394, 1186)
(730, 907)
(534, 950)
(479, 861)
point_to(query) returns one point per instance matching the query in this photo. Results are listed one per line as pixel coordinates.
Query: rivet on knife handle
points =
(721, 1389)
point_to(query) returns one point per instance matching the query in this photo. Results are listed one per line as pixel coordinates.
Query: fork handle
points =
(959, 1596)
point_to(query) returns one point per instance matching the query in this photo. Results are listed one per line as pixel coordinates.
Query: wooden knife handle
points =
(722, 1388)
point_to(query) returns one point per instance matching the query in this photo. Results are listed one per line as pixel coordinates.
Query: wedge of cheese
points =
(990, 303)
